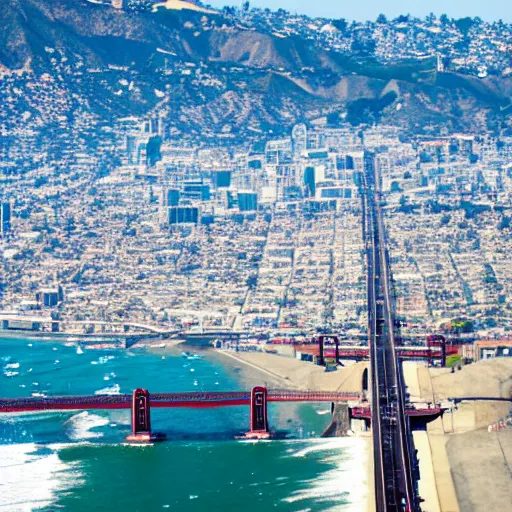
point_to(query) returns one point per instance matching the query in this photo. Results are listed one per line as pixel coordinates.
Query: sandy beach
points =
(275, 370)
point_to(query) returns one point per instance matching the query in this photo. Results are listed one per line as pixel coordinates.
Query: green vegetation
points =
(453, 360)
(366, 110)
(461, 325)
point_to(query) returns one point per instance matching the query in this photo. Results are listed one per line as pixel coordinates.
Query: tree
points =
(139, 5)
(464, 24)
(444, 19)
(341, 25)
(382, 19)
(363, 47)
(402, 19)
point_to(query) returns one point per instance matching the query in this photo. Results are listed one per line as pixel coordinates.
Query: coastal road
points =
(395, 483)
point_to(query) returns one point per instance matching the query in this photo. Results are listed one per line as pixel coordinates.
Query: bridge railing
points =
(185, 399)
(310, 396)
(65, 402)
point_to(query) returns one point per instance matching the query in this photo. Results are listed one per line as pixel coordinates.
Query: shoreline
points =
(296, 374)
(248, 370)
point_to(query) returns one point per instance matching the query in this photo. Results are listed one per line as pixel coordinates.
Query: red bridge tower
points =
(141, 419)
(259, 421)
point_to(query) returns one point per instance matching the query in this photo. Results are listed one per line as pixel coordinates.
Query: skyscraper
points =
(5, 218)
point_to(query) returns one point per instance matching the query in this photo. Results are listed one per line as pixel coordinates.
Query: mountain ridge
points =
(207, 56)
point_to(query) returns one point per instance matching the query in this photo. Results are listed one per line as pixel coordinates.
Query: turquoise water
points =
(77, 460)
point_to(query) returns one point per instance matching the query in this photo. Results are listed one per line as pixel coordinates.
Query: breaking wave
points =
(346, 483)
(80, 425)
(31, 476)
(111, 390)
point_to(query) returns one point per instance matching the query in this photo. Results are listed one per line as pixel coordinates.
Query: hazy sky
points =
(489, 10)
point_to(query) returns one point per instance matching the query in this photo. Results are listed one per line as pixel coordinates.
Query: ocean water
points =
(77, 460)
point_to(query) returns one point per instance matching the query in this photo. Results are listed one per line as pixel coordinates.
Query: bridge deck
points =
(192, 400)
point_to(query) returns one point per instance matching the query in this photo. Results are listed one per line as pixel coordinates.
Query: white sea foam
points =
(112, 390)
(346, 482)
(79, 426)
(30, 480)
(8, 373)
(12, 365)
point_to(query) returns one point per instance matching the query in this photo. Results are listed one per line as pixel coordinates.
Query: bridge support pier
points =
(141, 419)
(259, 410)
(340, 421)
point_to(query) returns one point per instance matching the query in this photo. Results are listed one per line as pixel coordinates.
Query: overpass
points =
(362, 352)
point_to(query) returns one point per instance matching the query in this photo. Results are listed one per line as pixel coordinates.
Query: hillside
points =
(208, 74)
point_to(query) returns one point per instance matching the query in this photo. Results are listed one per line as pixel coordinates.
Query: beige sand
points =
(444, 482)
(491, 378)
(481, 465)
(298, 374)
(470, 468)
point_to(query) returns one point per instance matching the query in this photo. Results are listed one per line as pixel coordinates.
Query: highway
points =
(395, 481)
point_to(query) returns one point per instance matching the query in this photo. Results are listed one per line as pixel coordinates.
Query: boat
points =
(190, 356)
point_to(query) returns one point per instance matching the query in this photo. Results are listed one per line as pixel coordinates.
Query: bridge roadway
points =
(395, 486)
(197, 400)
(363, 352)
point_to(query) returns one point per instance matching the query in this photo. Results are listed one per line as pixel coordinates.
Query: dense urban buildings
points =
(266, 236)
